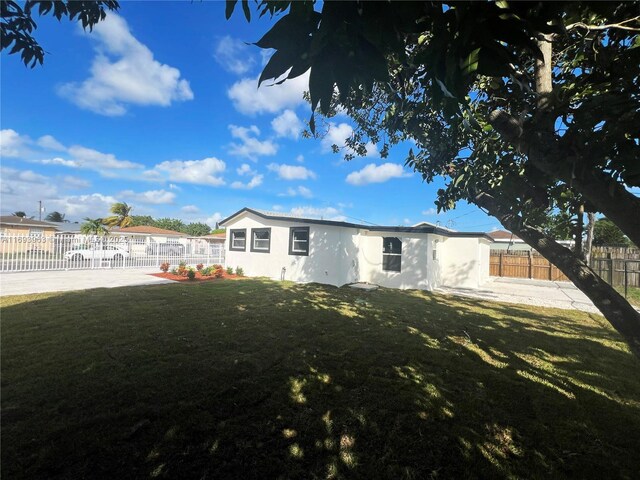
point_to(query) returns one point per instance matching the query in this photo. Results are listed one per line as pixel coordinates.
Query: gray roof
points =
(24, 222)
(372, 228)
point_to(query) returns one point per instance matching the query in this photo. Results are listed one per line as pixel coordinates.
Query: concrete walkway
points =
(22, 283)
(540, 293)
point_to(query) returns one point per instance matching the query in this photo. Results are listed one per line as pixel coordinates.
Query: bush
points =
(219, 272)
(182, 269)
(199, 267)
(205, 272)
(239, 272)
(191, 274)
(216, 266)
(174, 271)
(229, 270)
(164, 266)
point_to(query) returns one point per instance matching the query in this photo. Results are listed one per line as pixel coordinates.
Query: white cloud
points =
(12, 144)
(50, 143)
(91, 205)
(300, 158)
(254, 182)
(190, 209)
(75, 183)
(234, 55)
(276, 208)
(287, 124)
(245, 169)
(326, 213)
(90, 158)
(301, 191)
(211, 220)
(153, 197)
(406, 221)
(173, 186)
(338, 134)
(373, 173)
(247, 98)
(429, 211)
(124, 72)
(250, 148)
(291, 172)
(199, 172)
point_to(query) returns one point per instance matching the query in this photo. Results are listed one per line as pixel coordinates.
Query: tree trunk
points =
(578, 231)
(624, 318)
(589, 241)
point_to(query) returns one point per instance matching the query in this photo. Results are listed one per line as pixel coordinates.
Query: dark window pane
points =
(391, 245)
(391, 263)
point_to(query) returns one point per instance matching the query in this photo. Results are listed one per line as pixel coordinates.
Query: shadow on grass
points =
(258, 379)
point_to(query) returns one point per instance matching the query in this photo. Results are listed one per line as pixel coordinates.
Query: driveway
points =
(540, 293)
(22, 283)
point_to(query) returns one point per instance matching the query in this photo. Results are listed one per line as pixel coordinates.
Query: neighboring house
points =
(309, 250)
(211, 244)
(147, 240)
(505, 240)
(25, 234)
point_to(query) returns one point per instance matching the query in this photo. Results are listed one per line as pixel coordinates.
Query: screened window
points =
(260, 240)
(391, 254)
(299, 241)
(238, 240)
(36, 232)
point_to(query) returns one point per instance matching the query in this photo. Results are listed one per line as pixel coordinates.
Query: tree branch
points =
(619, 26)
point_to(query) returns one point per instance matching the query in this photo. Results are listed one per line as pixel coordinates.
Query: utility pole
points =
(40, 210)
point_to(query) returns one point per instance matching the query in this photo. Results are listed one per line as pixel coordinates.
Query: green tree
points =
(17, 25)
(605, 232)
(520, 106)
(196, 229)
(170, 224)
(93, 226)
(137, 220)
(20, 214)
(56, 217)
(121, 215)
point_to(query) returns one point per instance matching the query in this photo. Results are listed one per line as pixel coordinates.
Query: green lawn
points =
(633, 295)
(260, 379)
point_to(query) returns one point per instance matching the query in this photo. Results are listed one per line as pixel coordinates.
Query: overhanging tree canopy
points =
(523, 107)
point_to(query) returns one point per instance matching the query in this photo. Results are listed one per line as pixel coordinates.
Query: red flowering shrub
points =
(219, 272)
(199, 266)
(164, 267)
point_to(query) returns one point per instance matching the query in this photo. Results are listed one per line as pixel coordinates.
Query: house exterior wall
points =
(18, 239)
(330, 260)
(418, 270)
(339, 255)
(464, 262)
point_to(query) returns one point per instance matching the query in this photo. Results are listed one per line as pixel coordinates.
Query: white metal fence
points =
(64, 252)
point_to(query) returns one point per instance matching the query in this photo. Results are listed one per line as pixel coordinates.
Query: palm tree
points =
(20, 214)
(93, 226)
(121, 215)
(56, 217)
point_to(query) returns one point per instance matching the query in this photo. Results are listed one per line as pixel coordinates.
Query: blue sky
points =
(159, 107)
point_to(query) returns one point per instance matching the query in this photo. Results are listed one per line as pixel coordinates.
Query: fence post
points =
(610, 269)
(530, 264)
(625, 278)
(500, 266)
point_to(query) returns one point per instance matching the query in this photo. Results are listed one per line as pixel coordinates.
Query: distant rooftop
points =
(146, 229)
(501, 235)
(23, 221)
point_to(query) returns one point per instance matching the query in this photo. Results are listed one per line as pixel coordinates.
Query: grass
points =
(259, 379)
(633, 295)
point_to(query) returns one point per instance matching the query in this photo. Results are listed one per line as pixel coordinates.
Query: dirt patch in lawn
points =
(199, 277)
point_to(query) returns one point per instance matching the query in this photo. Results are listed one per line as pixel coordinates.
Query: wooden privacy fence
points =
(618, 272)
(523, 264)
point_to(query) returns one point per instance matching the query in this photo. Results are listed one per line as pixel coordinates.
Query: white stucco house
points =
(309, 250)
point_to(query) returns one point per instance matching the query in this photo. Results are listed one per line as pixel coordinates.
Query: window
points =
(238, 240)
(299, 241)
(36, 232)
(261, 240)
(391, 254)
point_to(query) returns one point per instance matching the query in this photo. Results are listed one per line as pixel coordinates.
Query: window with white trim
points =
(391, 254)
(299, 241)
(261, 240)
(238, 240)
(36, 232)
